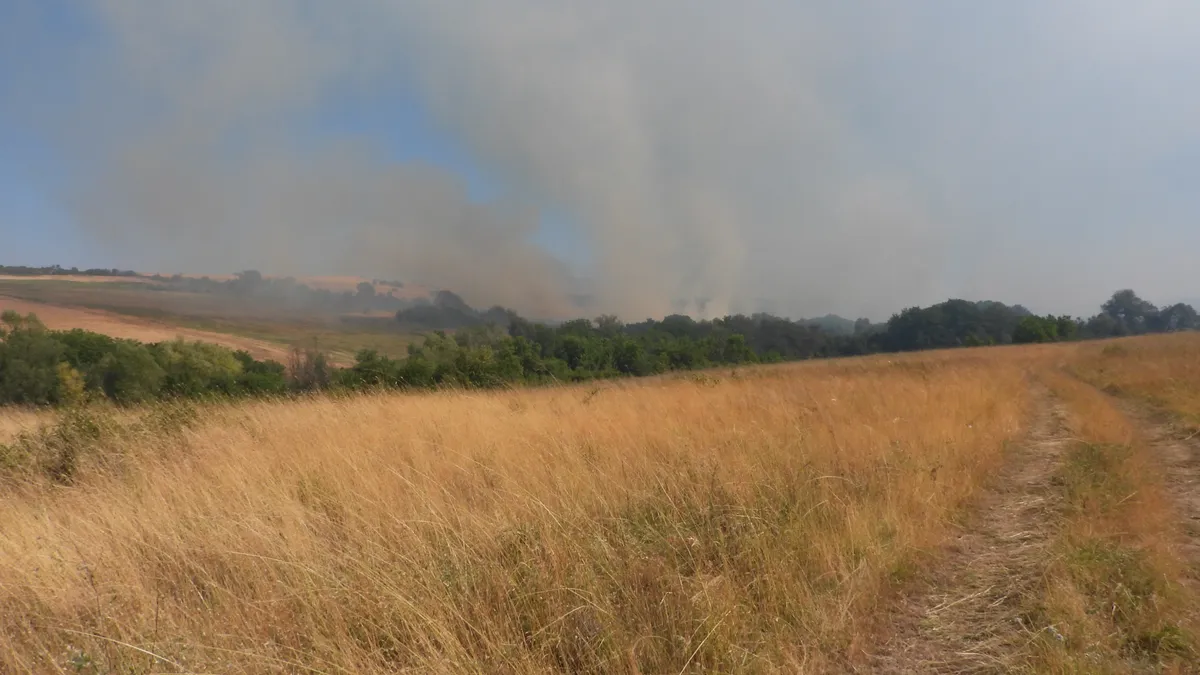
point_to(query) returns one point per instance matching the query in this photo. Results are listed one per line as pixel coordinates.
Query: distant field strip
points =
(118, 326)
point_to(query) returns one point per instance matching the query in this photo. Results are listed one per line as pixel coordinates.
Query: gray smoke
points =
(809, 156)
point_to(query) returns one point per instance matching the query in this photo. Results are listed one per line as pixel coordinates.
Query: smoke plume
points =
(803, 157)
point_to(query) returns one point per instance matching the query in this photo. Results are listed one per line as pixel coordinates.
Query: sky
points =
(798, 157)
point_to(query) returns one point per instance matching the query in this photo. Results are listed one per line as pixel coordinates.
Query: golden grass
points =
(1115, 595)
(751, 521)
(1162, 370)
(15, 420)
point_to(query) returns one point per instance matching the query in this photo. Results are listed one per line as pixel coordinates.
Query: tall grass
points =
(1117, 596)
(14, 420)
(1162, 370)
(753, 520)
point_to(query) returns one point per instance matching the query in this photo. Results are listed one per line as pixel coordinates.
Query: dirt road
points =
(968, 618)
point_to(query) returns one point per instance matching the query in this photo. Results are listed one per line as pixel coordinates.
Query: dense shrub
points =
(40, 366)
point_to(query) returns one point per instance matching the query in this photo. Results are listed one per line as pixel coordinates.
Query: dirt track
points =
(115, 325)
(969, 617)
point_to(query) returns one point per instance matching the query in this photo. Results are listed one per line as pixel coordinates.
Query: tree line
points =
(960, 323)
(42, 366)
(58, 270)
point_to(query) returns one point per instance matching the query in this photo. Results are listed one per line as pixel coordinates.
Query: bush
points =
(29, 358)
(39, 366)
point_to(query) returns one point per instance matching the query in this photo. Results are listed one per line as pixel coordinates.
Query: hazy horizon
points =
(804, 159)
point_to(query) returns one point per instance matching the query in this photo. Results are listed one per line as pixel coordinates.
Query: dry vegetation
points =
(1162, 371)
(135, 310)
(114, 325)
(1118, 594)
(759, 520)
(15, 420)
(751, 521)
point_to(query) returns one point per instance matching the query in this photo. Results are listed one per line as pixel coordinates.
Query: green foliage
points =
(953, 323)
(72, 390)
(29, 358)
(260, 377)
(1132, 314)
(129, 373)
(198, 368)
(40, 366)
(1033, 329)
(496, 348)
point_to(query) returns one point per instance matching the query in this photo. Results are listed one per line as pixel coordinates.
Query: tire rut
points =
(970, 616)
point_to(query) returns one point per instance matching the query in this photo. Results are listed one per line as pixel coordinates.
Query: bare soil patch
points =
(65, 318)
(970, 617)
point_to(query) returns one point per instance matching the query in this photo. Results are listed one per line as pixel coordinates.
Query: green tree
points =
(196, 368)
(260, 377)
(129, 373)
(1067, 327)
(735, 350)
(29, 358)
(1177, 317)
(72, 389)
(1132, 313)
(1032, 329)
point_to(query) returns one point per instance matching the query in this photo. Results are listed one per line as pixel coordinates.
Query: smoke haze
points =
(796, 157)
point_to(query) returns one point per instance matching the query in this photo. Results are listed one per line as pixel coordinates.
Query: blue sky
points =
(807, 157)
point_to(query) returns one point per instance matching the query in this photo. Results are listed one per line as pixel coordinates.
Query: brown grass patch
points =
(14, 420)
(750, 520)
(1117, 593)
(1162, 370)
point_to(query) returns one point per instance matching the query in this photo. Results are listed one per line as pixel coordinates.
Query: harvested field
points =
(336, 284)
(76, 278)
(118, 326)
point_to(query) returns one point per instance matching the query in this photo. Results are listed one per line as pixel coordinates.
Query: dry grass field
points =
(74, 278)
(144, 330)
(145, 312)
(1162, 371)
(815, 517)
(15, 420)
